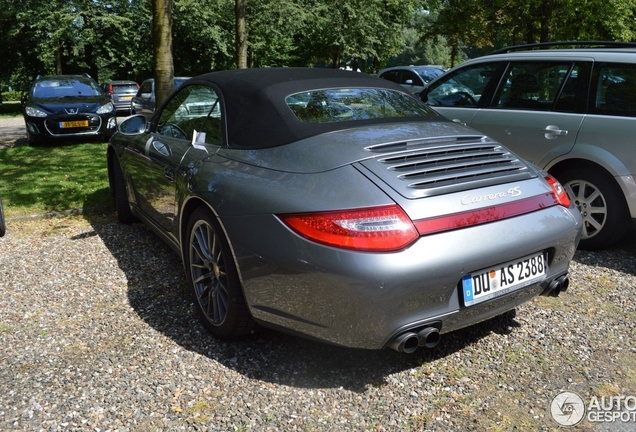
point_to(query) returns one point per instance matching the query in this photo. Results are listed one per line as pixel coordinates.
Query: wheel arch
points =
(585, 155)
(189, 206)
(564, 165)
(110, 156)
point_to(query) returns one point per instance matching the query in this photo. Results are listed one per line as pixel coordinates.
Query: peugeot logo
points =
(71, 110)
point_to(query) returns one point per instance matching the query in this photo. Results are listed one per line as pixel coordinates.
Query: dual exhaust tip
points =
(429, 336)
(557, 286)
(410, 341)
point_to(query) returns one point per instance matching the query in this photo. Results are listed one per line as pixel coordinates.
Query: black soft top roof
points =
(254, 100)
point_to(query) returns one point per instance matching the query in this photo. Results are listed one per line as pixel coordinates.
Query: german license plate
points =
(73, 124)
(502, 279)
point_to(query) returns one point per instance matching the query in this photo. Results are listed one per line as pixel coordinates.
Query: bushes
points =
(10, 109)
(11, 95)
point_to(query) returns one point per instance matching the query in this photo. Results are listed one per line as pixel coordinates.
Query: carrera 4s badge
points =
(475, 199)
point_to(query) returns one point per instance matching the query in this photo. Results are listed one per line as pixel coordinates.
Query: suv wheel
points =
(602, 206)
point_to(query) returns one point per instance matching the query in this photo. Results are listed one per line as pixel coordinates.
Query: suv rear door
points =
(497, 98)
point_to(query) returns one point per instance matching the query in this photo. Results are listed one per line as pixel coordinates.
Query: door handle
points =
(168, 173)
(553, 131)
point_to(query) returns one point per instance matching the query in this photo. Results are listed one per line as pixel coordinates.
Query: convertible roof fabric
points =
(256, 114)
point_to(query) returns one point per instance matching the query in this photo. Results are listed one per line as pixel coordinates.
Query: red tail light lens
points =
(374, 229)
(110, 89)
(559, 191)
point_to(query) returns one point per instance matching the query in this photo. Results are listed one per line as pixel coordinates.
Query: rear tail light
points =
(110, 89)
(374, 229)
(559, 191)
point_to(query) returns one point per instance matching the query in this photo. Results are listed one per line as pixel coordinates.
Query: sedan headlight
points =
(106, 108)
(34, 112)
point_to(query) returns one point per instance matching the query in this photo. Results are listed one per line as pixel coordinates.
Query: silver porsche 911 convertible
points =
(336, 206)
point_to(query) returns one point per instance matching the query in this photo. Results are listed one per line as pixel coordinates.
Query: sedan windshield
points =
(341, 105)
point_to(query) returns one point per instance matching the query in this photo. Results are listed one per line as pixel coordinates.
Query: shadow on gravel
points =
(613, 258)
(156, 285)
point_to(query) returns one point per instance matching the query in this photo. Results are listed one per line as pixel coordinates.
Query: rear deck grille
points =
(449, 164)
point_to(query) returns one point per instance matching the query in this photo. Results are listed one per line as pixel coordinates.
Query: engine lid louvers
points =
(441, 165)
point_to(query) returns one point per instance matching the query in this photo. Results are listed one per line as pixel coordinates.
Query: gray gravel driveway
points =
(96, 334)
(12, 132)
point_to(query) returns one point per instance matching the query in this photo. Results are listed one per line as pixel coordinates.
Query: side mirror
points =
(23, 99)
(134, 125)
(409, 82)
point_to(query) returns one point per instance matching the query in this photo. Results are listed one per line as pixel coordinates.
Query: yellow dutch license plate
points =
(499, 280)
(73, 124)
(126, 97)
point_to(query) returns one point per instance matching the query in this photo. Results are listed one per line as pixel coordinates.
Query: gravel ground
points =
(96, 334)
(12, 132)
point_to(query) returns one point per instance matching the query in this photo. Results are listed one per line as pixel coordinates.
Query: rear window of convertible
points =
(342, 105)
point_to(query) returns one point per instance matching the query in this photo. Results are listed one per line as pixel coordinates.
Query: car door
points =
(535, 108)
(143, 100)
(411, 81)
(185, 128)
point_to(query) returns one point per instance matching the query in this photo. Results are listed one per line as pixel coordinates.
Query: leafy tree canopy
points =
(112, 39)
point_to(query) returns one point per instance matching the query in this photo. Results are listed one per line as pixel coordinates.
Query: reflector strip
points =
(484, 215)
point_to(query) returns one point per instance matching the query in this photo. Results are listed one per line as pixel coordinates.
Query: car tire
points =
(3, 226)
(601, 204)
(120, 194)
(30, 140)
(213, 278)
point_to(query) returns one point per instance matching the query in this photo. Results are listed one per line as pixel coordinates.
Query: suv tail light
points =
(559, 191)
(373, 229)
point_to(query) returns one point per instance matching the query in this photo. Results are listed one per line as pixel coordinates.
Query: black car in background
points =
(121, 93)
(63, 107)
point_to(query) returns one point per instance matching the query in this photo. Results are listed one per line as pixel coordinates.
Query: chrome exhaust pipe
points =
(406, 343)
(428, 337)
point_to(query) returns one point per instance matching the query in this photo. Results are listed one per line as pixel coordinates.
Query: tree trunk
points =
(162, 46)
(241, 37)
(58, 57)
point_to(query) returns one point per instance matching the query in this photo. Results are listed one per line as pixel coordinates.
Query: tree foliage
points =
(488, 24)
(113, 39)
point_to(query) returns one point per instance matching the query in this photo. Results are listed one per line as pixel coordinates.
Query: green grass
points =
(10, 109)
(36, 180)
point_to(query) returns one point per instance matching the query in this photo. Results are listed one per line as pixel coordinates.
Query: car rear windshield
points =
(342, 105)
(126, 88)
(65, 87)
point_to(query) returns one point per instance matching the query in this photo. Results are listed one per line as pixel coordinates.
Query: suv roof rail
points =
(573, 44)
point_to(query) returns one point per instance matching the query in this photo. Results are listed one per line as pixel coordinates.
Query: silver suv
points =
(570, 111)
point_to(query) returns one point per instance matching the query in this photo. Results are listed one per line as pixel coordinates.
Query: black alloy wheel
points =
(214, 279)
(120, 194)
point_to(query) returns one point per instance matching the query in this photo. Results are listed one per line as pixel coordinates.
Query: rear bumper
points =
(364, 300)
